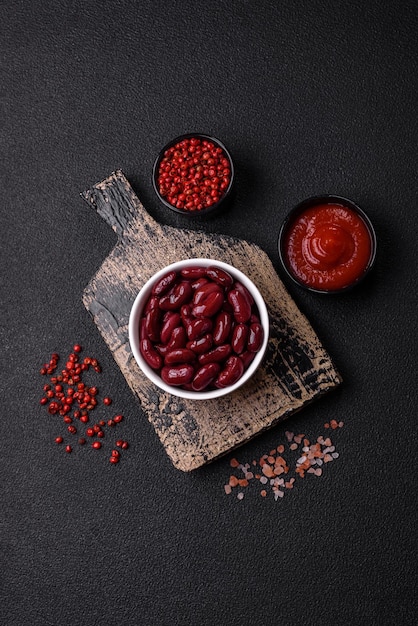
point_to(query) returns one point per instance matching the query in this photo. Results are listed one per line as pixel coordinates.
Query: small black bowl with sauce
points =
(327, 244)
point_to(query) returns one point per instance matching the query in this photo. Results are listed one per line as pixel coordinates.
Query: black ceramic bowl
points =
(180, 207)
(303, 210)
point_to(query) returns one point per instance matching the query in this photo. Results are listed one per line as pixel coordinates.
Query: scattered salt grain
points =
(268, 469)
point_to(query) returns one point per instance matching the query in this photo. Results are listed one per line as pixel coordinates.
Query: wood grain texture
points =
(296, 370)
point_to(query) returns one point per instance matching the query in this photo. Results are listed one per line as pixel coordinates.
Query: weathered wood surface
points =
(296, 370)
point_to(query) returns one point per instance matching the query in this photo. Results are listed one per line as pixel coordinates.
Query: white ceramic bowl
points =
(136, 315)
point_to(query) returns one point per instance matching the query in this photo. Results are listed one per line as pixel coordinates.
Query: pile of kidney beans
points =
(200, 328)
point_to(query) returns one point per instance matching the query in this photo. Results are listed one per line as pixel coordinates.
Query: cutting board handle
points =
(116, 202)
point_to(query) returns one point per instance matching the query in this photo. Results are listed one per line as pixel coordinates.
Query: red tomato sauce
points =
(328, 247)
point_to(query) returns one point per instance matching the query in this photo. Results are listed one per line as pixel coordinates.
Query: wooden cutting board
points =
(297, 369)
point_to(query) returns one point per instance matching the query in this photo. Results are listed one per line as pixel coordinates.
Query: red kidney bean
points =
(164, 284)
(162, 349)
(150, 354)
(179, 355)
(210, 306)
(246, 357)
(254, 319)
(153, 303)
(193, 272)
(177, 375)
(201, 345)
(243, 289)
(171, 320)
(222, 329)
(240, 305)
(239, 338)
(152, 324)
(142, 331)
(199, 283)
(178, 338)
(198, 327)
(179, 295)
(233, 370)
(255, 337)
(184, 294)
(220, 353)
(205, 376)
(186, 313)
(220, 276)
(200, 295)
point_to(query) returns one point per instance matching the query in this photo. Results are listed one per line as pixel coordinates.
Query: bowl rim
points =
(327, 199)
(142, 297)
(213, 207)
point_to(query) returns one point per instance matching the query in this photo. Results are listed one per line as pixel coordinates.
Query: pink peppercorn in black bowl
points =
(194, 175)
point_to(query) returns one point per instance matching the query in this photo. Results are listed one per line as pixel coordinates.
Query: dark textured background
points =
(310, 97)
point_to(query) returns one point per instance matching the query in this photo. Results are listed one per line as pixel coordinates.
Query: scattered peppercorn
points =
(72, 399)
